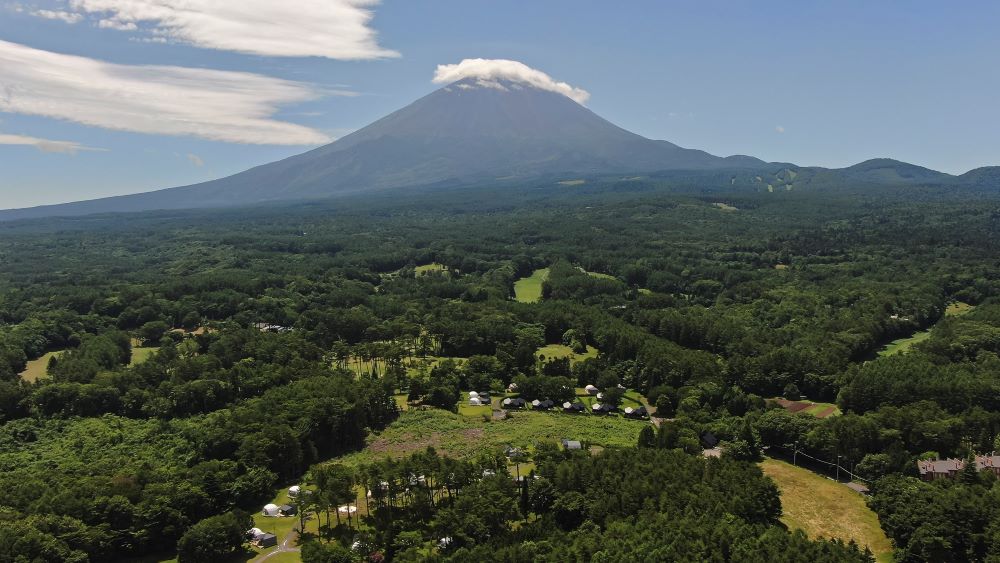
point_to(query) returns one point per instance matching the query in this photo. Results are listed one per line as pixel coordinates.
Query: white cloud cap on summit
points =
(488, 73)
(236, 107)
(335, 29)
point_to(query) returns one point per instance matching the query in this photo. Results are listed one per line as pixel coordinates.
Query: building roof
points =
(948, 466)
(572, 444)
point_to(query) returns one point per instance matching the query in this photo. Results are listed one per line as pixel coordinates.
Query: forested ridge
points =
(282, 334)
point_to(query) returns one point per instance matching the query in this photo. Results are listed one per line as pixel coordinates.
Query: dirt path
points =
(284, 547)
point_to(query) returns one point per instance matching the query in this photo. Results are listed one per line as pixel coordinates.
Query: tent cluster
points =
(260, 538)
(515, 403)
(542, 405)
(477, 399)
(637, 413)
(605, 408)
(274, 510)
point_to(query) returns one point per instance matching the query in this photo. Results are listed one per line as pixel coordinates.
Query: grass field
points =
(725, 206)
(463, 436)
(572, 182)
(901, 345)
(957, 309)
(822, 507)
(597, 275)
(819, 410)
(432, 268)
(556, 351)
(36, 369)
(529, 290)
(141, 354)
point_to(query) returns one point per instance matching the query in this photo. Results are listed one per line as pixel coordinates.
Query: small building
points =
(572, 445)
(267, 540)
(271, 510)
(637, 413)
(288, 510)
(517, 403)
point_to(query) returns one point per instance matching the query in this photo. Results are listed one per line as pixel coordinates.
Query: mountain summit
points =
(473, 129)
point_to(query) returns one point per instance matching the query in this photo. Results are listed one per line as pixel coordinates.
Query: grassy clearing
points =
(37, 369)
(557, 351)
(824, 508)
(141, 354)
(465, 409)
(957, 309)
(597, 275)
(463, 436)
(901, 345)
(428, 269)
(572, 182)
(725, 207)
(529, 289)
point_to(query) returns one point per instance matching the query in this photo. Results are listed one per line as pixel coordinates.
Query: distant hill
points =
(463, 132)
(472, 134)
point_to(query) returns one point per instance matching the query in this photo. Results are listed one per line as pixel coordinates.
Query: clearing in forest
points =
(529, 289)
(824, 508)
(557, 351)
(819, 410)
(38, 368)
(725, 206)
(429, 269)
(141, 354)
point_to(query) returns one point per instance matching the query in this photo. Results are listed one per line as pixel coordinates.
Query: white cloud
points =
(45, 145)
(489, 72)
(219, 105)
(779, 129)
(68, 17)
(195, 160)
(335, 29)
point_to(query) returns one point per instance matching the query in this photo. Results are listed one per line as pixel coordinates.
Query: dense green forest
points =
(285, 337)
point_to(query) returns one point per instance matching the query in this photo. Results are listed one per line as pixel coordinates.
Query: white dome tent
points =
(270, 510)
(591, 390)
(475, 402)
(294, 491)
(473, 395)
(255, 533)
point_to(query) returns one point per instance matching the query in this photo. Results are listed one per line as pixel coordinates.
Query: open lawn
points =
(37, 369)
(822, 507)
(597, 274)
(141, 354)
(432, 268)
(463, 436)
(957, 309)
(557, 351)
(819, 410)
(529, 290)
(901, 345)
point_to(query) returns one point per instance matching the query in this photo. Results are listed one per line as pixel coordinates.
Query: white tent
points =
(591, 390)
(506, 401)
(270, 510)
(475, 402)
(628, 410)
(600, 395)
(535, 403)
(567, 405)
(512, 387)
(347, 509)
(255, 533)
(473, 395)
(596, 407)
(294, 491)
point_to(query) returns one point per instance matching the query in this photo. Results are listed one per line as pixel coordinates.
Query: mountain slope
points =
(463, 132)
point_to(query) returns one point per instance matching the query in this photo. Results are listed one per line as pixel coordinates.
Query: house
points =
(932, 469)
(287, 510)
(267, 540)
(572, 444)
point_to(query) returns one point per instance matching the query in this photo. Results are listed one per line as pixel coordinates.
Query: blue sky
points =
(814, 83)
